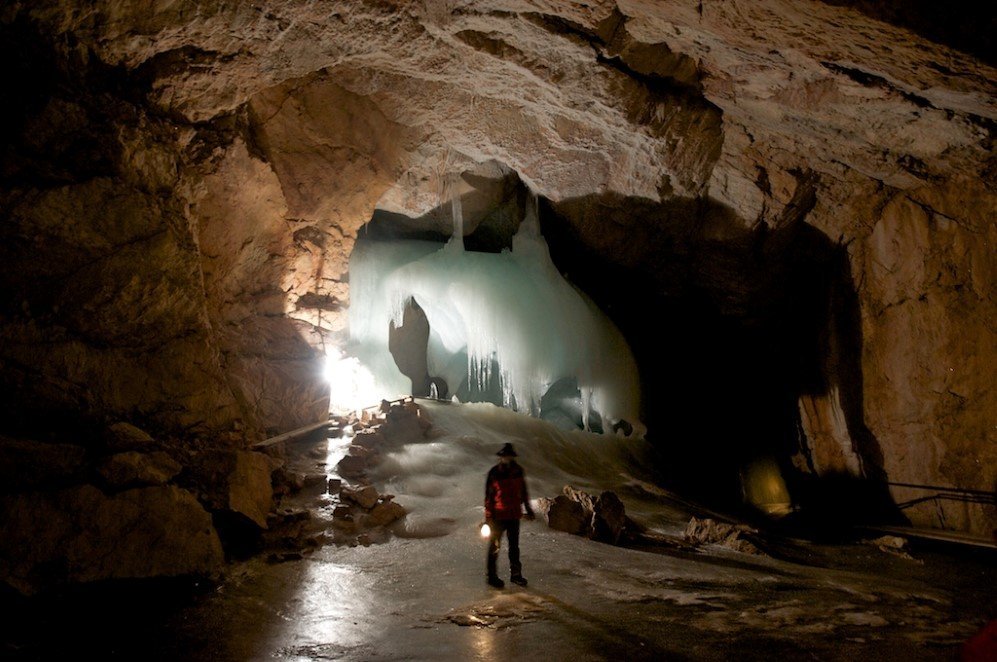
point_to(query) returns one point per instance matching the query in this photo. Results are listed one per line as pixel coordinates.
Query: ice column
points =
(512, 310)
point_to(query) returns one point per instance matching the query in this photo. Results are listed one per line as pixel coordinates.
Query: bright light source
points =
(486, 531)
(351, 385)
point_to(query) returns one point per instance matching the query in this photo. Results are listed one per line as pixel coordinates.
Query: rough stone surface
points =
(609, 518)
(711, 532)
(601, 518)
(81, 535)
(124, 436)
(365, 497)
(565, 514)
(134, 468)
(352, 466)
(182, 189)
(385, 513)
(236, 481)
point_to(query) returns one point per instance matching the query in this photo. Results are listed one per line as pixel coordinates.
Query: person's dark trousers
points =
(511, 529)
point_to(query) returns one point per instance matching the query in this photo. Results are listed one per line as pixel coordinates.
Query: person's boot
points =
(493, 580)
(518, 579)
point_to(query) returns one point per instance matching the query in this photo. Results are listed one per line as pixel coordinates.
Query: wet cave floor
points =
(417, 590)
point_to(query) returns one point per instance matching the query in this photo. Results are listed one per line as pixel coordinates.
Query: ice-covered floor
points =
(421, 595)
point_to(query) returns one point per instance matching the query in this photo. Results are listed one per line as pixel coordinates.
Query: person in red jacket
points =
(505, 500)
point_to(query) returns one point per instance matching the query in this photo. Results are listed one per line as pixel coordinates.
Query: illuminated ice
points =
(507, 321)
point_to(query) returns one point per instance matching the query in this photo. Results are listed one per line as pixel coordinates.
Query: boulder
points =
(565, 514)
(133, 468)
(711, 532)
(236, 481)
(370, 438)
(286, 481)
(81, 535)
(352, 466)
(250, 491)
(28, 464)
(385, 513)
(601, 518)
(369, 455)
(365, 497)
(609, 518)
(125, 437)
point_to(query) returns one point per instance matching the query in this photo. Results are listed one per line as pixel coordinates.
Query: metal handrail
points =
(989, 494)
(960, 494)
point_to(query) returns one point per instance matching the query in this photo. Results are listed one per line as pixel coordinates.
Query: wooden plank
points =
(293, 434)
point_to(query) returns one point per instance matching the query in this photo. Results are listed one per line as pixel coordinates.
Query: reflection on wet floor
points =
(420, 594)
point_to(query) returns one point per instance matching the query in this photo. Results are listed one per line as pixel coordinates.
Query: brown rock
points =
(289, 482)
(601, 518)
(369, 438)
(565, 514)
(81, 535)
(385, 513)
(352, 466)
(711, 532)
(126, 437)
(250, 491)
(609, 519)
(134, 468)
(365, 496)
(236, 481)
(199, 278)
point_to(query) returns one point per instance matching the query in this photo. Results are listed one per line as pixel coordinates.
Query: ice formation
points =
(506, 321)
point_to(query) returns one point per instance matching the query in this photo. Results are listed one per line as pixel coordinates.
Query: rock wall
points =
(181, 199)
(103, 309)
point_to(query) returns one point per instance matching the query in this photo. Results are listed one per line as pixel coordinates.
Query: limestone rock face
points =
(125, 437)
(134, 468)
(236, 481)
(257, 267)
(81, 535)
(181, 191)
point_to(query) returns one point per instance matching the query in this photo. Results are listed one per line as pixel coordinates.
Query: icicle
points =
(508, 316)
(452, 191)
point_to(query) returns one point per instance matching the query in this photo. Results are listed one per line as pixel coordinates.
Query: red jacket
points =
(505, 492)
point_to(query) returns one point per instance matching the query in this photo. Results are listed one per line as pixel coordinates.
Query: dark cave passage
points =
(731, 328)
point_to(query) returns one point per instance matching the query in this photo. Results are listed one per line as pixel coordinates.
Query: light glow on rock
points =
(351, 385)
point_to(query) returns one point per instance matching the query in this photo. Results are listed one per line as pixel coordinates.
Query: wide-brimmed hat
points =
(507, 451)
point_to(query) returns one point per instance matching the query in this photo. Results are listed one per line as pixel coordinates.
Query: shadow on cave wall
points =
(730, 327)
(963, 25)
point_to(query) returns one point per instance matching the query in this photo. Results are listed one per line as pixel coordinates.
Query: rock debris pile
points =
(351, 511)
(601, 517)
(708, 531)
(120, 504)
